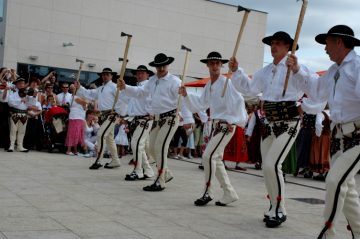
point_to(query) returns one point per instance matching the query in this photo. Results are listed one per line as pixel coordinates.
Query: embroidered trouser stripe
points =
(138, 143)
(213, 165)
(100, 141)
(274, 150)
(160, 138)
(339, 196)
(292, 135)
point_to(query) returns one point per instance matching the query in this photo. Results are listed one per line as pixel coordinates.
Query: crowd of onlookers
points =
(56, 112)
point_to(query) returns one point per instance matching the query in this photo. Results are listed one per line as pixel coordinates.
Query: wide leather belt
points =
(278, 111)
(17, 111)
(164, 115)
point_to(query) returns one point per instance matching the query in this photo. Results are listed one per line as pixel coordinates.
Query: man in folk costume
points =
(19, 103)
(225, 112)
(105, 96)
(162, 88)
(281, 122)
(340, 86)
(139, 109)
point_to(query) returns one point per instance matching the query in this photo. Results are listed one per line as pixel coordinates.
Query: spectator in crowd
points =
(91, 128)
(121, 138)
(75, 134)
(49, 103)
(64, 98)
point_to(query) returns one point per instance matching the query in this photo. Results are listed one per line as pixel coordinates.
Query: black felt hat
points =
(107, 70)
(342, 31)
(161, 60)
(142, 68)
(280, 36)
(214, 56)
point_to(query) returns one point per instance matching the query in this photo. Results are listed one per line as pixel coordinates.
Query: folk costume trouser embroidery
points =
(106, 134)
(17, 133)
(138, 142)
(275, 146)
(160, 138)
(341, 193)
(213, 165)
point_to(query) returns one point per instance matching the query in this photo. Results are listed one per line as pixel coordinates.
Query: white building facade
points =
(54, 33)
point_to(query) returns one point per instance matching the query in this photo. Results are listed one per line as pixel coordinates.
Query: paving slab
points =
(55, 196)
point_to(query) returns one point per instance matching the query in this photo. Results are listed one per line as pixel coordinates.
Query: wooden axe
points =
(242, 27)
(293, 49)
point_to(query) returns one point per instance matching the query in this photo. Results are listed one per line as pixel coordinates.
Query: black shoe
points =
(258, 166)
(203, 200)
(24, 151)
(10, 150)
(319, 177)
(240, 168)
(133, 177)
(308, 174)
(273, 222)
(201, 167)
(155, 187)
(218, 203)
(95, 166)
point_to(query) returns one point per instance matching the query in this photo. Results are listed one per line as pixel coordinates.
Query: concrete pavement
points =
(55, 196)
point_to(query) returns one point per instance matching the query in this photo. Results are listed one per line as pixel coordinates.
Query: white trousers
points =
(17, 133)
(274, 149)
(106, 134)
(213, 165)
(341, 193)
(138, 142)
(160, 138)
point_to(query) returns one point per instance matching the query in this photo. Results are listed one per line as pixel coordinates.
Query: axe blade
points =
(122, 59)
(240, 8)
(78, 60)
(185, 48)
(123, 34)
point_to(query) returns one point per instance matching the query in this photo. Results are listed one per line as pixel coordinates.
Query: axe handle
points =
(77, 79)
(242, 27)
(122, 71)
(296, 39)
(182, 81)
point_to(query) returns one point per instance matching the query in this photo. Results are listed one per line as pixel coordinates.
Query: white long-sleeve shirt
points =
(163, 93)
(15, 101)
(344, 96)
(230, 108)
(270, 82)
(63, 98)
(105, 95)
(138, 106)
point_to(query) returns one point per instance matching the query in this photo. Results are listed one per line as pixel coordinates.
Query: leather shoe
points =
(273, 222)
(155, 187)
(201, 167)
(10, 150)
(203, 200)
(24, 151)
(95, 166)
(133, 177)
(218, 203)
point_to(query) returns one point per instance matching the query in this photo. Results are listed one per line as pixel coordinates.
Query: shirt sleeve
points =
(88, 94)
(13, 100)
(243, 83)
(235, 107)
(251, 125)
(186, 114)
(197, 103)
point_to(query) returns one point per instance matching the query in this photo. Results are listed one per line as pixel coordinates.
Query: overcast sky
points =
(320, 16)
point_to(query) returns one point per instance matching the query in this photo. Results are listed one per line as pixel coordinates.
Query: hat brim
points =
(321, 38)
(267, 40)
(112, 73)
(165, 63)
(151, 73)
(205, 61)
